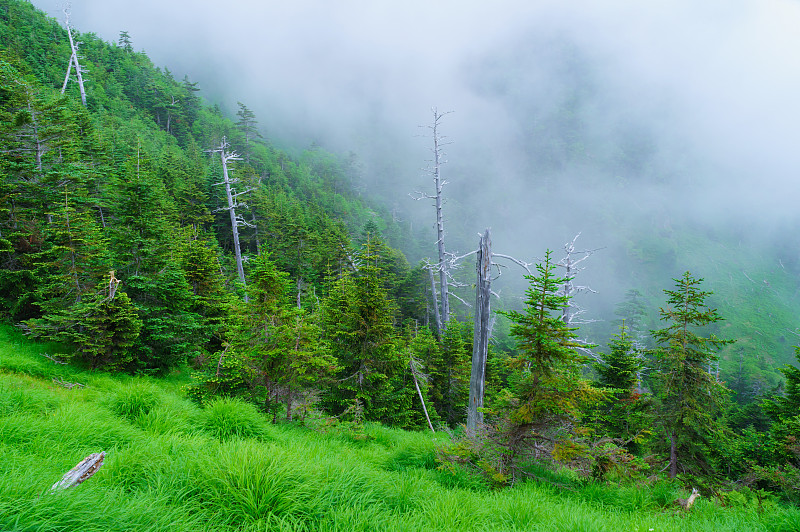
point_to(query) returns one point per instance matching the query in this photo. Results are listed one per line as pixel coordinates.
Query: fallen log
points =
(81, 472)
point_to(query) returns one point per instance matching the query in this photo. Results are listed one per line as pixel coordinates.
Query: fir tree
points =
(690, 396)
(547, 392)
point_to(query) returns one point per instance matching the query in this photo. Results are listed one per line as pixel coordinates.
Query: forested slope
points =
(117, 244)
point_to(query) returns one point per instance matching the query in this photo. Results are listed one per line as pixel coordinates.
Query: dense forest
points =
(145, 232)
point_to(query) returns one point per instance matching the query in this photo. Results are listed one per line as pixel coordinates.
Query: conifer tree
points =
(623, 414)
(359, 322)
(547, 392)
(690, 396)
(101, 330)
(247, 126)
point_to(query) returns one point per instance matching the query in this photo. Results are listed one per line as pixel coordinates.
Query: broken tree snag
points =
(73, 60)
(686, 504)
(480, 341)
(237, 221)
(113, 284)
(81, 472)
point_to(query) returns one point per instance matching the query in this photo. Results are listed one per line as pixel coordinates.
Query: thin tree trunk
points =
(226, 156)
(421, 400)
(673, 457)
(438, 184)
(480, 341)
(436, 313)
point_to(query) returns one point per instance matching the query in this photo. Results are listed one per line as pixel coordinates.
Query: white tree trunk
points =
(236, 221)
(438, 185)
(74, 60)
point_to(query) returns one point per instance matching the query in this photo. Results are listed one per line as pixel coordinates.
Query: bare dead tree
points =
(441, 307)
(480, 339)
(74, 61)
(417, 375)
(570, 264)
(237, 221)
(483, 326)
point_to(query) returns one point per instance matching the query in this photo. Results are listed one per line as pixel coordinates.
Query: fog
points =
(620, 119)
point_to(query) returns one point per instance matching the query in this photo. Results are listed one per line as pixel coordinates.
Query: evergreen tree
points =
(101, 330)
(623, 414)
(275, 352)
(359, 323)
(247, 126)
(690, 396)
(546, 392)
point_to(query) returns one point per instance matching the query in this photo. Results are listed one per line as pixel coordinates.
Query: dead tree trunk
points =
(570, 263)
(73, 60)
(414, 369)
(443, 265)
(438, 184)
(236, 220)
(436, 313)
(480, 341)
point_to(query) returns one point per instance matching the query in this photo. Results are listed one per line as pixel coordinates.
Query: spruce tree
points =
(690, 396)
(547, 392)
(359, 321)
(624, 413)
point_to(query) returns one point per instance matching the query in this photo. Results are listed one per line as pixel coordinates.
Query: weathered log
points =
(81, 472)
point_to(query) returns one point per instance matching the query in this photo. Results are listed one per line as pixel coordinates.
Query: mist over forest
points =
(222, 249)
(663, 132)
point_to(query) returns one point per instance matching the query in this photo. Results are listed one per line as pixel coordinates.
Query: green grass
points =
(172, 465)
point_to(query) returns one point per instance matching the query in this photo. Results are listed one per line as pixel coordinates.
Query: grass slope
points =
(172, 465)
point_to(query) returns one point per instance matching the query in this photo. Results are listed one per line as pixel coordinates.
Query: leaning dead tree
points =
(74, 61)
(442, 305)
(237, 220)
(417, 375)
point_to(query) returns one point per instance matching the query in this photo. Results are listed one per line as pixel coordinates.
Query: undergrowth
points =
(174, 466)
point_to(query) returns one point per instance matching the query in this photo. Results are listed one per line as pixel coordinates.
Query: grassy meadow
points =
(172, 465)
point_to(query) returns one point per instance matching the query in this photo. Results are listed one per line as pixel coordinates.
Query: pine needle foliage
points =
(690, 395)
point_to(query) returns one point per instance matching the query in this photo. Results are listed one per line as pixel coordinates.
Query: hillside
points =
(170, 256)
(173, 466)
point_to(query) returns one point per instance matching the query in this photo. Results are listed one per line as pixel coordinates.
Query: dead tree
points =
(81, 472)
(483, 327)
(73, 61)
(441, 307)
(417, 375)
(686, 504)
(480, 338)
(570, 264)
(237, 221)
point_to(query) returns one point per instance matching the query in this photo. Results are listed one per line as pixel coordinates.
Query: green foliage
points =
(227, 418)
(286, 477)
(133, 400)
(359, 327)
(689, 395)
(546, 388)
(101, 331)
(624, 414)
